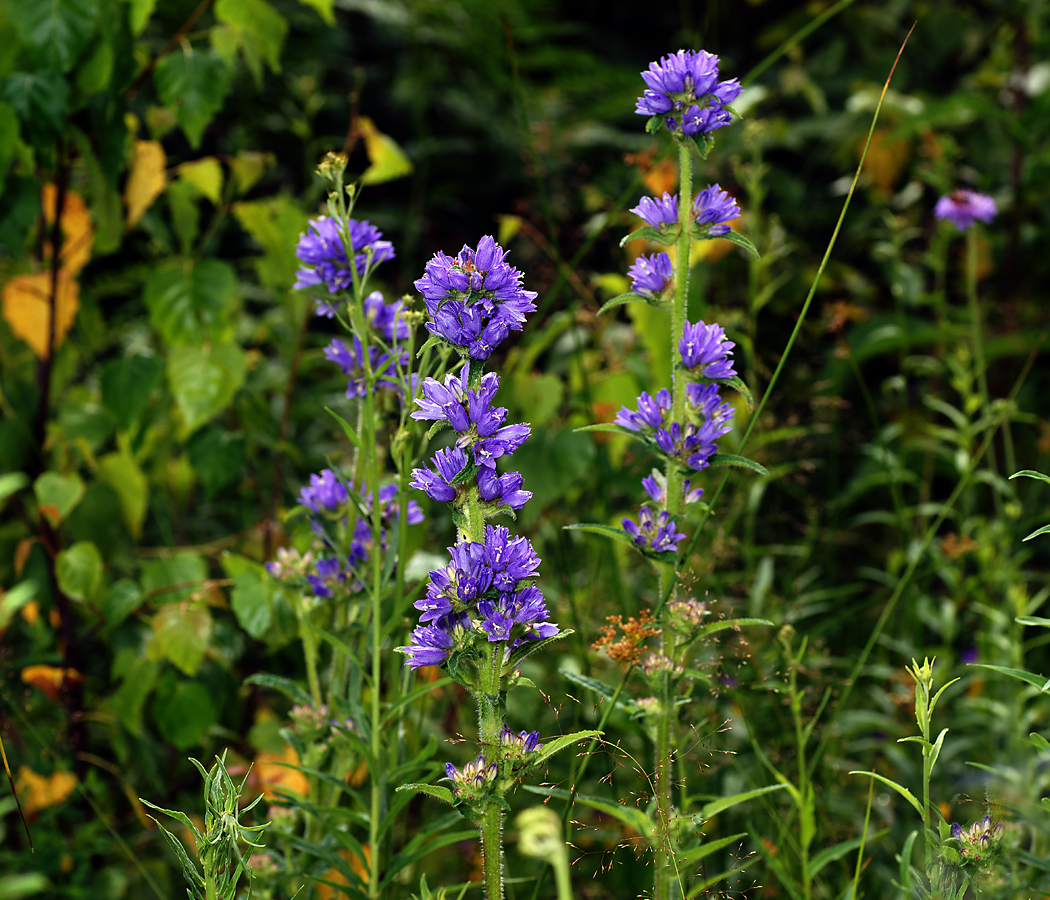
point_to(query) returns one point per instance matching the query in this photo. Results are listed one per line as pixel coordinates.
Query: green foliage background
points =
(147, 468)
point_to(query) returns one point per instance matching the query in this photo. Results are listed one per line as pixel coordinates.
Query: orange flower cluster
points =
(626, 648)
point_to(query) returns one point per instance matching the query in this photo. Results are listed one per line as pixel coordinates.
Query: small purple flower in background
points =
(650, 275)
(325, 259)
(686, 84)
(963, 207)
(475, 299)
(712, 208)
(658, 212)
(705, 347)
(326, 492)
(386, 318)
(658, 533)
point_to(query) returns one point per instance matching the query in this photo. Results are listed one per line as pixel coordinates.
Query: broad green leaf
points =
(714, 807)
(184, 713)
(56, 31)
(204, 381)
(127, 383)
(900, 789)
(276, 224)
(138, 675)
(1022, 675)
(57, 494)
(12, 483)
(187, 569)
(121, 472)
(181, 632)
(205, 176)
(252, 602)
(13, 600)
(141, 10)
(1041, 742)
(41, 100)
(736, 462)
(388, 160)
(95, 73)
(194, 84)
(79, 570)
(123, 598)
(278, 683)
(189, 303)
(259, 31)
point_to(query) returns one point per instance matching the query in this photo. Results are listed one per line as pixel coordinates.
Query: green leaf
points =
(204, 381)
(714, 807)
(323, 7)
(79, 570)
(736, 462)
(138, 676)
(631, 297)
(616, 534)
(123, 598)
(737, 384)
(634, 818)
(56, 31)
(252, 602)
(9, 134)
(13, 600)
(121, 472)
(387, 160)
(41, 100)
(692, 857)
(905, 861)
(275, 223)
(560, 743)
(60, 493)
(665, 236)
(12, 483)
(217, 456)
(182, 568)
(529, 647)
(599, 687)
(141, 10)
(183, 713)
(181, 633)
(1030, 473)
(182, 200)
(259, 31)
(127, 383)
(95, 73)
(14, 887)
(348, 430)
(278, 683)
(1021, 674)
(740, 241)
(1037, 621)
(1044, 530)
(194, 84)
(903, 791)
(1037, 739)
(442, 793)
(715, 627)
(189, 303)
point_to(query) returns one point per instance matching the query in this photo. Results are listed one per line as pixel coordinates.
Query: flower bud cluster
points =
(980, 841)
(472, 783)
(518, 749)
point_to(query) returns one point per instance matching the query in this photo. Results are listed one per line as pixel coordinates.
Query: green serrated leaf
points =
(56, 31)
(204, 381)
(740, 241)
(194, 84)
(560, 743)
(737, 462)
(442, 793)
(79, 570)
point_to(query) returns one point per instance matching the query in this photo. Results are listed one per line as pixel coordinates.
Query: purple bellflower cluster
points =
(684, 88)
(323, 252)
(963, 207)
(713, 208)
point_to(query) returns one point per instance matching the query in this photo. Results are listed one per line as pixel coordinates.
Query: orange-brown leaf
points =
(78, 233)
(273, 773)
(41, 791)
(147, 180)
(27, 308)
(49, 678)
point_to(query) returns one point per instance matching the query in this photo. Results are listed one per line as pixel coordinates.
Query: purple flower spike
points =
(657, 533)
(705, 347)
(437, 483)
(686, 84)
(658, 212)
(712, 208)
(475, 299)
(650, 275)
(324, 256)
(964, 207)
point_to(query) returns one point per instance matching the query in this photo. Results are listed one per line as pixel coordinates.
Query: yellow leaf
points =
(147, 180)
(41, 791)
(49, 678)
(78, 232)
(273, 772)
(27, 308)
(387, 158)
(205, 175)
(360, 869)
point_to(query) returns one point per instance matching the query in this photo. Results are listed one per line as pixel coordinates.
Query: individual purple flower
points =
(650, 275)
(324, 255)
(429, 646)
(391, 510)
(437, 483)
(712, 208)
(511, 560)
(653, 532)
(963, 207)
(475, 299)
(386, 318)
(650, 413)
(656, 487)
(329, 577)
(502, 490)
(658, 212)
(705, 347)
(326, 492)
(686, 84)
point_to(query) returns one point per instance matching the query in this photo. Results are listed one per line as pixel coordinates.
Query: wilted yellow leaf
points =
(387, 158)
(49, 678)
(273, 773)
(205, 175)
(887, 157)
(147, 180)
(27, 308)
(41, 791)
(78, 232)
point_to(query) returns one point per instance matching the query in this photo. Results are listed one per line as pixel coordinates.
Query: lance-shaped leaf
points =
(713, 807)
(1038, 681)
(900, 789)
(549, 749)
(631, 297)
(434, 790)
(666, 236)
(737, 462)
(526, 650)
(737, 384)
(739, 240)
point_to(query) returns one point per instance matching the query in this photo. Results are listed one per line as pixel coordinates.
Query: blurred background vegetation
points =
(154, 437)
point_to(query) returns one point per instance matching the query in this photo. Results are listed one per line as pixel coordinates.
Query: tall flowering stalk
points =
(682, 423)
(482, 613)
